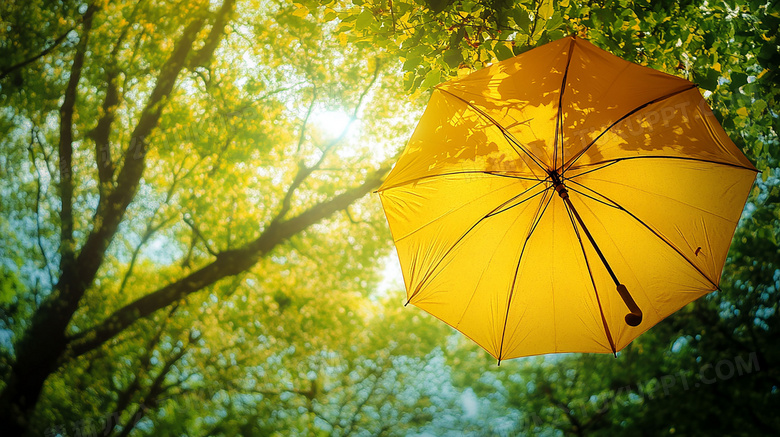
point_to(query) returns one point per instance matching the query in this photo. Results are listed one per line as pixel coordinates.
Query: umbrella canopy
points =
(564, 200)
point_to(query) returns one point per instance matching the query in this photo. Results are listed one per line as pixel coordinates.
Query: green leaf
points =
(503, 51)
(329, 14)
(708, 79)
(768, 52)
(412, 63)
(457, 37)
(556, 34)
(554, 22)
(432, 78)
(546, 10)
(738, 79)
(364, 19)
(453, 58)
(709, 39)
(437, 6)
(522, 20)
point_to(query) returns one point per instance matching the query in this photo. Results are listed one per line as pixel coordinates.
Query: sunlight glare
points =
(331, 123)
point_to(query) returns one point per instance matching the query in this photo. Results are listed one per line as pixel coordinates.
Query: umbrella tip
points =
(499, 362)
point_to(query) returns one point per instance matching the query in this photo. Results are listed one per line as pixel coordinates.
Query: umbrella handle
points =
(634, 318)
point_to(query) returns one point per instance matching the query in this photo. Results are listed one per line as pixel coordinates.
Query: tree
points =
(155, 125)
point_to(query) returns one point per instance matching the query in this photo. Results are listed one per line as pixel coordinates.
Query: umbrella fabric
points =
(549, 202)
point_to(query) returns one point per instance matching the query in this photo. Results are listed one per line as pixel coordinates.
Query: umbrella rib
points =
(559, 116)
(592, 281)
(537, 218)
(712, 133)
(458, 208)
(668, 198)
(506, 134)
(589, 196)
(476, 287)
(455, 173)
(499, 211)
(592, 170)
(628, 114)
(656, 233)
(609, 162)
(433, 269)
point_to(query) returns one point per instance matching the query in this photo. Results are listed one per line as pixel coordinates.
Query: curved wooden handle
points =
(635, 317)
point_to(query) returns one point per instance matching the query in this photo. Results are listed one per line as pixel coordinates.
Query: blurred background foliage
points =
(188, 247)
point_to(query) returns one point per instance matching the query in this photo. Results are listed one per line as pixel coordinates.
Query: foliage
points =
(187, 249)
(729, 48)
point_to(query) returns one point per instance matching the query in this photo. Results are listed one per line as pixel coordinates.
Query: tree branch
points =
(354, 419)
(46, 51)
(66, 144)
(111, 209)
(309, 110)
(152, 228)
(303, 171)
(223, 16)
(101, 134)
(228, 263)
(156, 388)
(38, 207)
(145, 362)
(197, 233)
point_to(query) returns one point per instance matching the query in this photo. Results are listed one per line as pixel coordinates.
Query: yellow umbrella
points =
(564, 200)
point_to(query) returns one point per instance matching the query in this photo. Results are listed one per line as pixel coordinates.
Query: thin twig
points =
(303, 171)
(38, 208)
(306, 120)
(195, 229)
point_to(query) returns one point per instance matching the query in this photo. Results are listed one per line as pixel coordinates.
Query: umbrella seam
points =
(660, 237)
(559, 115)
(455, 328)
(577, 156)
(468, 204)
(590, 197)
(455, 173)
(503, 130)
(430, 272)
(625, 261)
(662, 196)
(593, 282)
(468, 304)
(717, 139)
(628, 158)
(534, 224)
(497, 212)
